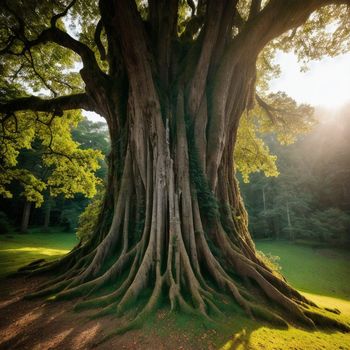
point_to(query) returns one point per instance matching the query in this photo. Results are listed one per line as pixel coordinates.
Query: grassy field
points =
(316, 270)
(321, 274)
(17, 250)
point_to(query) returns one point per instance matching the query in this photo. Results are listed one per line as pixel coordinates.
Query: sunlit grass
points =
(247, 336)
(37, 250)
(294, 339)
(311, 269)
(331, 302)
(17, 250)
(324, 274)
(297, 339)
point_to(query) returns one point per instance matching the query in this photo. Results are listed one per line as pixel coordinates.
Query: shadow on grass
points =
(35, 324)
(229, 331)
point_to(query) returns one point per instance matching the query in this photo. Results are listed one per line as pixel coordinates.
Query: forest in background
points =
(309, 199)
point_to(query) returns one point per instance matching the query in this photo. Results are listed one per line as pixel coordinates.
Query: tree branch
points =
(266, 107)
(52, 34)
(31, 62)
(211, 30)
(254, 9)
(59, 104)
(163, 21)
(279, 16)
(225, 32)
(113, 54)
(55, 18)
(276, 18)
(61, 38)
(97, 38)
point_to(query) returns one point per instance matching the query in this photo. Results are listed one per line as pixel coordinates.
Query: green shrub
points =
(271, 261)
(88, 218)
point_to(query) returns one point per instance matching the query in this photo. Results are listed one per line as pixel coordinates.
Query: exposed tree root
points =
(194, 287)
(197, 284)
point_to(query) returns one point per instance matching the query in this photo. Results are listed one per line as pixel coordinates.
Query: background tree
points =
(172, 79)
(87, 135)
(41, 157)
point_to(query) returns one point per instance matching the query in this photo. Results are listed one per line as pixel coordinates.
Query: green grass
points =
(317, 270)
(320, 273)
(17, 250)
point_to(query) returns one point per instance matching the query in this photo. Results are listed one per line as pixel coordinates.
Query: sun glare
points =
(326, 83)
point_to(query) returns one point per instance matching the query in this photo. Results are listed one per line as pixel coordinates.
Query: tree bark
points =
(47, 214)
(290, 226)
(25, 217)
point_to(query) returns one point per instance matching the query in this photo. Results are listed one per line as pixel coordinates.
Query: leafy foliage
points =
(326, 32)
(88, 219)
(61, 166)
(251, 152)
(272, 261)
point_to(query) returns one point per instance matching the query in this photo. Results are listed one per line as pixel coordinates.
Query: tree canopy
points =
(43, 46)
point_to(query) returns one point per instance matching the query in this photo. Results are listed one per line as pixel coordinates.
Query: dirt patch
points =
(40, 325)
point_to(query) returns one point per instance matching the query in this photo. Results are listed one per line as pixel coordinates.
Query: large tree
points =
(172, 79)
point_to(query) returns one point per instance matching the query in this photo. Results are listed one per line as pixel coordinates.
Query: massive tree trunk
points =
(173, 222)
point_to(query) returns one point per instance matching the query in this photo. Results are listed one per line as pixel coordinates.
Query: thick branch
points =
(211, 30)
(61, 38)
(59, 104)
(52, 34)
(265, 107)
(163, 20)
(225, 32)
(113, 54)
(55, 18)
(278, 17)
(97, 38)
